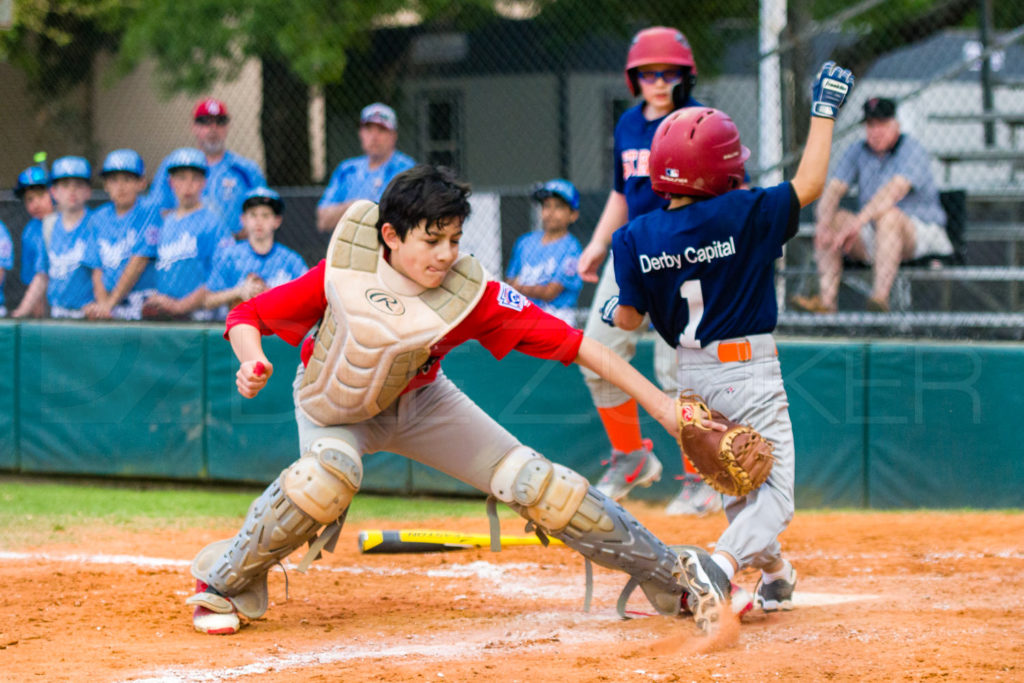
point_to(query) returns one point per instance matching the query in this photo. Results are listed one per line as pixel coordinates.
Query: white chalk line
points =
(566, 629)
(519, 579)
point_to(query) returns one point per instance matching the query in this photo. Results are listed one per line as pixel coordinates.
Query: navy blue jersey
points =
(633, 135)
(705, 272)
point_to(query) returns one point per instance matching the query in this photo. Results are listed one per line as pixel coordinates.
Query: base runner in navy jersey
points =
(703, 269)
(659, 67)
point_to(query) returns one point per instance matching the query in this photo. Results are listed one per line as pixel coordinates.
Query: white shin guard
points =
(315, 490)
(565, 506)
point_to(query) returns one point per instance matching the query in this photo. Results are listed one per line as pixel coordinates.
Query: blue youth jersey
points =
(70, 278)
(706, 271)
(633, 135)
(185, 250)
(353, 178)
(232, 264)
(116, 239)
(6, 256)
(226, 184)
(535, 263)
(33, 251)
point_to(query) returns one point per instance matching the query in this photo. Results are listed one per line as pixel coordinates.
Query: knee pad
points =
(323, 481)
(548, 493)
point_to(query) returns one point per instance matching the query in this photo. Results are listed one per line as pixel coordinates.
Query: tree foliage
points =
(196, 42)
(54, 42)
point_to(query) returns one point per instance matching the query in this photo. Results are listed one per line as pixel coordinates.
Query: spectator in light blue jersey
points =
(71, 283)
(189, 237)
(244, 269)
(33, 189)
(364, 177)
(543, 265)
(125, 234)
(6, 263)
(228, 176)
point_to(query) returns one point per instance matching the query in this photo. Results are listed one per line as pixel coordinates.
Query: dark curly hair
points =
(423, 192)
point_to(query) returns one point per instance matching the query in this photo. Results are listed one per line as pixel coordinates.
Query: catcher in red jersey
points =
(392, 297)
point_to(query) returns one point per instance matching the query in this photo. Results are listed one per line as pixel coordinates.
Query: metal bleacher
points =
(980, 297)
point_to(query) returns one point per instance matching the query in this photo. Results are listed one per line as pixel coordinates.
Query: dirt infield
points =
(883, 597)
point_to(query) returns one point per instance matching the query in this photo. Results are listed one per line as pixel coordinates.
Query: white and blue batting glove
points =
(608, 310)
(829, 90)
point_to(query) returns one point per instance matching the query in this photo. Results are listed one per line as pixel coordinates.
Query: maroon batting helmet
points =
(658, 45)
(696, 151)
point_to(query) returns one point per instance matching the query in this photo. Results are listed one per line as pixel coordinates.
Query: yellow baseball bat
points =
(434, 540)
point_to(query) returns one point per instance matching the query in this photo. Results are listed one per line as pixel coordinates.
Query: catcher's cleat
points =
(214, 614)
(776, 595)
(629, 470)
(694, 498)
(707, 587)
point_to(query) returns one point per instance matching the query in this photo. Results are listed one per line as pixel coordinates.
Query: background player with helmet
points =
(392, 298)
(228, 175)
(247, 268)
(543, 263)
(189, 237)
(661, 68)
(33, 189)
(69, 277)
(125, 235)
(703, 269)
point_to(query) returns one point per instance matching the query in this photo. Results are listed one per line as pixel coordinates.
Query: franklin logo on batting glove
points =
(829, 90)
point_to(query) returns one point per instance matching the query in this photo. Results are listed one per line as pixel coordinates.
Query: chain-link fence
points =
(512, 93)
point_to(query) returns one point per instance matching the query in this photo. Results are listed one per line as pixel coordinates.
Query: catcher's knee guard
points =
(315, 490)
(542, 491)
(563, 504)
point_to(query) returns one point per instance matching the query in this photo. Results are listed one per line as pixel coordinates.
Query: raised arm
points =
(827, 96)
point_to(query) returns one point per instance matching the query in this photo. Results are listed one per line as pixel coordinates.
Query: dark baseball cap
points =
(877, 108)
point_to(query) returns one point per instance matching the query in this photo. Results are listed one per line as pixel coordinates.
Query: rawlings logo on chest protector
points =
(385, 302)
(379, 326)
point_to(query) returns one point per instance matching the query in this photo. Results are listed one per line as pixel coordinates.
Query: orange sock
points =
(622, 423)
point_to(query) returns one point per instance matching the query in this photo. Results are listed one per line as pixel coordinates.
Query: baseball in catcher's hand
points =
(735, 462)
(252, 376)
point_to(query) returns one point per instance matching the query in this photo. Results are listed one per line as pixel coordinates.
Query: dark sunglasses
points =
(220, 120)
(667, 75)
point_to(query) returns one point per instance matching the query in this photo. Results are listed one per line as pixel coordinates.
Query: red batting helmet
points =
(696, 151)
(658, 45)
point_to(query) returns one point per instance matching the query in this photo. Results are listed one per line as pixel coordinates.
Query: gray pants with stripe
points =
(750, 393)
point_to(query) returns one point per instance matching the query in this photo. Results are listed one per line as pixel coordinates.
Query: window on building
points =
(441, 129)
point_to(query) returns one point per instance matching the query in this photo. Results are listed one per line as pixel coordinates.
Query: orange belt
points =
(735, 351)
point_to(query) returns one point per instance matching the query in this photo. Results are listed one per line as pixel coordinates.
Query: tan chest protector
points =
(379, 325)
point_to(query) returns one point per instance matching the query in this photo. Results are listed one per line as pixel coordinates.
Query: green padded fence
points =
(877, 425)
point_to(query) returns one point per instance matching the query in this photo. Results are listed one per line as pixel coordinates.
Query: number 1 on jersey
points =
(693, 295)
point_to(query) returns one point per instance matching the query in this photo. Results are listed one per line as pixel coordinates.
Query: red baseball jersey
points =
(503, 320)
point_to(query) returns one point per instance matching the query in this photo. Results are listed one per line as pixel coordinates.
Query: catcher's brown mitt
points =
(734, 462)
